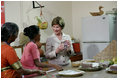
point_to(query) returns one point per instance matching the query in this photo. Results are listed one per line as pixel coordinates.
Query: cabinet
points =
(76, 57)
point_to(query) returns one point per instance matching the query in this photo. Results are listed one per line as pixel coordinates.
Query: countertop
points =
(88, 74)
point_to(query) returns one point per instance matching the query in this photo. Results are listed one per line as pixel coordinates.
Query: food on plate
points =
(108, 62)
(112, 68)
(89, 66)
(105, 63)
(76, 63)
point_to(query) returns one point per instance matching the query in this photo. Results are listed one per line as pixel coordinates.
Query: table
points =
(88, 74)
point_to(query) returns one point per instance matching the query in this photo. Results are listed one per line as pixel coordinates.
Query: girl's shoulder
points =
(7, 47)
(31, 44)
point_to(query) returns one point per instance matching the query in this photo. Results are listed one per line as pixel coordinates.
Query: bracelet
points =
(16, 65)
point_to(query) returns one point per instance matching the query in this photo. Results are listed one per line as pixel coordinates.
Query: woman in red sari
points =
(10, 65)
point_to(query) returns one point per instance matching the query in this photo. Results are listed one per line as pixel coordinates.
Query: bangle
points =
(31, 71)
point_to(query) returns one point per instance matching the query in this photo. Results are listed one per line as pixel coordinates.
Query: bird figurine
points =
(97, 13)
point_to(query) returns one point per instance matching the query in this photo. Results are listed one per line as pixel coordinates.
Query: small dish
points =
(112, 69)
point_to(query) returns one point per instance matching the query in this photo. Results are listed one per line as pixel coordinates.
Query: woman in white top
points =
(58, 45)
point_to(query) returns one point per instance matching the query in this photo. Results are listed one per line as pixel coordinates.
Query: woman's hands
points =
(23, 71)
(68, 45)
(60, 48)
(40, 72)
(64, 46)
(59, 68)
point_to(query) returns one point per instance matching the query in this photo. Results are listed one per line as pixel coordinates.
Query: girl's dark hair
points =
(31, 31)
(8, 29)
(58, 20)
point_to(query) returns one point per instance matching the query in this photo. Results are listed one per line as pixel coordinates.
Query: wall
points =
(51, 10)
(23, 14)
(13, 14)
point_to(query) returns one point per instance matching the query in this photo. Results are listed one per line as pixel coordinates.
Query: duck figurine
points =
(97, 13)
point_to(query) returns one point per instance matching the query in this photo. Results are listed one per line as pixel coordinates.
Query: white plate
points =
(71, 73)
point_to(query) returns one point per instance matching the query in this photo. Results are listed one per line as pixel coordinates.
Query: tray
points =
(90, 69)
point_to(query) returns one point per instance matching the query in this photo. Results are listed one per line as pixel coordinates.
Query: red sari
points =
(8, 57)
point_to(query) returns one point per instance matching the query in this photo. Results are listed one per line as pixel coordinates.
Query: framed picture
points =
(36, 4)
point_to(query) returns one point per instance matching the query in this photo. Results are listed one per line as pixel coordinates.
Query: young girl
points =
(31, 56)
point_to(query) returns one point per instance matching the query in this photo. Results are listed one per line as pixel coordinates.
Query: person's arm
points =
(16, 65)
(38, 44)
(41, 52)
(28, 71)
(36, 58)
(19, 69)
(39, 48)
(60, 48)
(45, 65)
(70, 50)
(50, 53)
